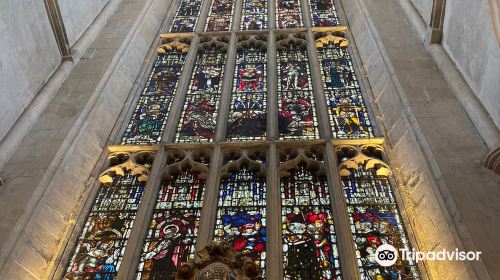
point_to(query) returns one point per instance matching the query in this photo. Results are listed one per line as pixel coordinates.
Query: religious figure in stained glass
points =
(187, 16)
(323, 13)
(347, 109)
(247, 117)
(288, 14)
(309, 241)
(374, 216)
(200, 108)
(254, 15)
(241, 212)
(221, 16)
(173, 230)
(150, 115)
(104, 237)
(297, 115)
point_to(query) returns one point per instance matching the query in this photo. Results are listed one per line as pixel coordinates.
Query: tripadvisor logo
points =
(387, 255)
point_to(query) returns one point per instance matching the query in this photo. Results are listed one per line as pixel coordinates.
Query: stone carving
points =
(218, 261)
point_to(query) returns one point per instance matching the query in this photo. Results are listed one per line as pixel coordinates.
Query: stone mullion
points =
(345, 243)
(210, 199)
(306, 13)
(271, 18)
(202, 19)
(180, 94)
(238, 6)
(133, 251)
(272, 84)
(274, 259)
(226, 91)
(319, 93)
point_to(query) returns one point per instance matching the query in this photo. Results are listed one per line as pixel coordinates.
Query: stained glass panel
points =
(241, 214)
(375, 220)
(172, 233)
(297, 115)
(323, 13)
(221, 16)
(247, 118)
(102, 243)
(151, 112)
(288, 14)
(309, 241)
(198, 119)
(254, 15)
(347, 110)
(187, 16)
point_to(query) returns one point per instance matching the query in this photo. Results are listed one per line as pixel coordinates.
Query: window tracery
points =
(220, 17)
(241, 207)
(187, 16)
(254, 15)
(373, 212)
(150, 115)
(309, 240)
(102, 241)
(198, 119)
(248, 113)
(296, 105)
(347, 110)
(289, 14)
(172, 233)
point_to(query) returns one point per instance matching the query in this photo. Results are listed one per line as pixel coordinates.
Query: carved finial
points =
(218, 260)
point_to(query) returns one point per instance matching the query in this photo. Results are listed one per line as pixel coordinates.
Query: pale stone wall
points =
(469, 39)
(47, 178)
(78, 16)
(424, 8)
(435, 148)
(28, 57)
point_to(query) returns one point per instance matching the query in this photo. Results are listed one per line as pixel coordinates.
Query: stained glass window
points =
(297, 115)
(323, 13)
(374, 215)
(101, 244)
(254, 15)
(247, 118)
(241, 214)
(172, 233)
(151, 112)
(221, 16)
(288, 14)
(348, 115)
(309, 241)
(198, 119)
(187, 15)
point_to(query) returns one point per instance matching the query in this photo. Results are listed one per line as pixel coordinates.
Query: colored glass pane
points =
(101, 244)
(288, 14)
(347, 110)
(221, 16)
(241, 214)
(187, 16)
(309, 241)
(375, 220)
(172, 233)
(297, 115)
(247, 118)
(254, 15)
(150, 115)
(198, 119)
(323, 13)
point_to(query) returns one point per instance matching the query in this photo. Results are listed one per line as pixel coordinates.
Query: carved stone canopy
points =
(219, 261)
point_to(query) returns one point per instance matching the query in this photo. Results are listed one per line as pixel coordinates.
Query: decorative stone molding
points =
(492, 160)
(218, 260)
